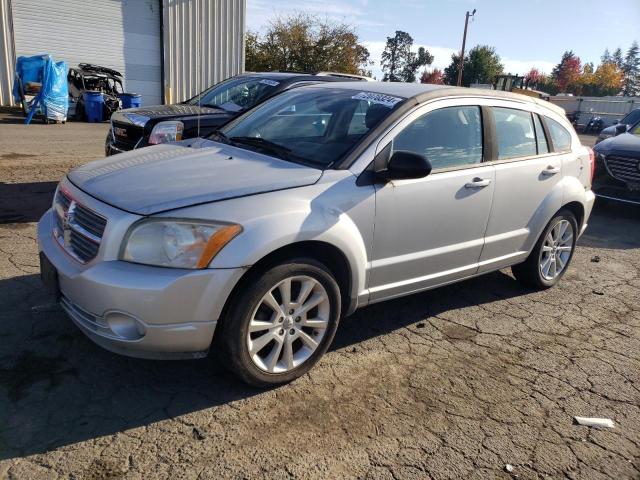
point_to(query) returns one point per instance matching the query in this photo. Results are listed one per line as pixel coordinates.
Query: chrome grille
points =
(78, 229)
(125, 136)
(624, 168)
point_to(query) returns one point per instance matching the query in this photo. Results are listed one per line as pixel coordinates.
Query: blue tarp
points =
(53, 98)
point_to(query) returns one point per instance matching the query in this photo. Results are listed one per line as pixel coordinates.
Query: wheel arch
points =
(578, 210)
(326, 253)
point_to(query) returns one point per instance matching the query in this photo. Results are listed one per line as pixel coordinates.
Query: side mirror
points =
(405, 165)
(621, 128)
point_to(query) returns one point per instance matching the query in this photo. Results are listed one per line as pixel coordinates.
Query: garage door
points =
(119, 34)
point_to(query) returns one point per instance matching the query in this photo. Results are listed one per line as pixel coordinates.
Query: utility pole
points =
(464, 41)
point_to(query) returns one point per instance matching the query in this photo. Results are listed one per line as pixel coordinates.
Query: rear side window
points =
(448, 137)
(560, 136)
(543, 147)
(514, 129)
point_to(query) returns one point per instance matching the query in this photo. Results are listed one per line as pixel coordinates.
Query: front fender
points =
(335, 211)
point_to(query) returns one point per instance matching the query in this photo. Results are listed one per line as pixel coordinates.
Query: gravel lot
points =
(452, 383)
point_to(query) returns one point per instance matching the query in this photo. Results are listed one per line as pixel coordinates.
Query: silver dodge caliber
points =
(324, 199)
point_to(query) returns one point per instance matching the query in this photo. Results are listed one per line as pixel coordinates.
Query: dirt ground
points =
(453, 383)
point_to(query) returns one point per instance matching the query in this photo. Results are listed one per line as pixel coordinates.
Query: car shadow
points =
(58, 388)
(14, 117)
(25, 202)
(613, 225)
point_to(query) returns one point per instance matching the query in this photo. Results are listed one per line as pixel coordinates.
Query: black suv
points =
(206, 112)
(617, 175)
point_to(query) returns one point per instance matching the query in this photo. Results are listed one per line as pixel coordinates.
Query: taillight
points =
(592, 160)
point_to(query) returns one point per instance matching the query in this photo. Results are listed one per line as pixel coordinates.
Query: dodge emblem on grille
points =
(121, 132)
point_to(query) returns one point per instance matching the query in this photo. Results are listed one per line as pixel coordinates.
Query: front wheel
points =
(552, 253)
(283, 323)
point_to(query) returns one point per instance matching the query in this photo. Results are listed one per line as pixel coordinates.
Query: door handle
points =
(478, 183)
(551, 170)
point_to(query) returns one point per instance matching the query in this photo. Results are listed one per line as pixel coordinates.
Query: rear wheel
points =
(283, 323)
(552, 254)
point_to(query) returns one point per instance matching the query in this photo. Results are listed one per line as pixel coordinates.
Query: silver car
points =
(324, 199)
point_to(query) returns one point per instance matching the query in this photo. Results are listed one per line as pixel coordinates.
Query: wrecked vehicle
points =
(94, 78)
(206, 112)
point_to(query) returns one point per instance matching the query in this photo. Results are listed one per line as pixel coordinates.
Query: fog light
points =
(125, 326)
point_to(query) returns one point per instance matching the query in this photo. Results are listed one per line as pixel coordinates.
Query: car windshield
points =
(235, 94)
(310, 125)
(631, 117)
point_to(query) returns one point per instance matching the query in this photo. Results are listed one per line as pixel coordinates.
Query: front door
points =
(430, 231)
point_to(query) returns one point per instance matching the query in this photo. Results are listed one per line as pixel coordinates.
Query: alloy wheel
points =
(288, 324)
(556, 250)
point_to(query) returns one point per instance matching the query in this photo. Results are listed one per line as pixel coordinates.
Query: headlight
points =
(165, 132)
(176, 243)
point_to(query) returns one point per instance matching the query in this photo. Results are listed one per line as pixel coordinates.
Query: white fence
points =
(611, 109)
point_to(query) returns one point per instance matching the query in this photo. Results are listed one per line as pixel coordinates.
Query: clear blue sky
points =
(525, 33)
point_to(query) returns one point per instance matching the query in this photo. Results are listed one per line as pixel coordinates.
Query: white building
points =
(167, 50)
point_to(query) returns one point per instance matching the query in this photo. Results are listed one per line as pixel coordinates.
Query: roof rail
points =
(345, 75)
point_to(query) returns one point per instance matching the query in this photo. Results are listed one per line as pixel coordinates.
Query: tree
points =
(617, 58)
(567, 72)
(533, 77)
(606, 56)
(631, 70)
(609, 79)
(306, 43)
(399, 62)
(434, 77)
(481, 65)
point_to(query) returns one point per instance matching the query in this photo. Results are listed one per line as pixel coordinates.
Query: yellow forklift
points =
(517, 84)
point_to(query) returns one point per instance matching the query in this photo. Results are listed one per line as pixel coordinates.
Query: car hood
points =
(176, 175)
(140, 116)
(626, 144)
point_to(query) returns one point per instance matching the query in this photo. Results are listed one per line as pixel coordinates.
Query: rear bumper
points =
(139, 310)
(589, 201)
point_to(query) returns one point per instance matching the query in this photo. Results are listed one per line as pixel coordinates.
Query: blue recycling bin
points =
(93, 105)
(130, 100)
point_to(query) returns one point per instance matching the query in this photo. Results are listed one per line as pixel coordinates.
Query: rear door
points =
(527, 173)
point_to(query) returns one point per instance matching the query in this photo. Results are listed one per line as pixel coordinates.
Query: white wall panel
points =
(7, 62)
(203, 44)
(119, 34)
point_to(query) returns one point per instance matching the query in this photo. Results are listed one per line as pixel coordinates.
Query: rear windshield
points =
(236, 94)
(311, 125)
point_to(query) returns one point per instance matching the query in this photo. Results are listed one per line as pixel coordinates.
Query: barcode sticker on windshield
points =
(386, 100)
(271, 83)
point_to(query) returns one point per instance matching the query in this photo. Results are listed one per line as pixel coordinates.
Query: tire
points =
(264, 362)
(532, 271)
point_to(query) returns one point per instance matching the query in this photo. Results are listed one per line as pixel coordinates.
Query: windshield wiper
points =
(218, 136)
(212, 105)
(276, 149)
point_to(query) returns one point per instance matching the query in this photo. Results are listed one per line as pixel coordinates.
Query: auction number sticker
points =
(271, 83)
(386, 100)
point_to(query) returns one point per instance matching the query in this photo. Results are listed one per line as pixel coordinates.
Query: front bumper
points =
(139, 310)
(607, 187)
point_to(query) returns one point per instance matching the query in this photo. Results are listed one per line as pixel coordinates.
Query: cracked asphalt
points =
(457, 382)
